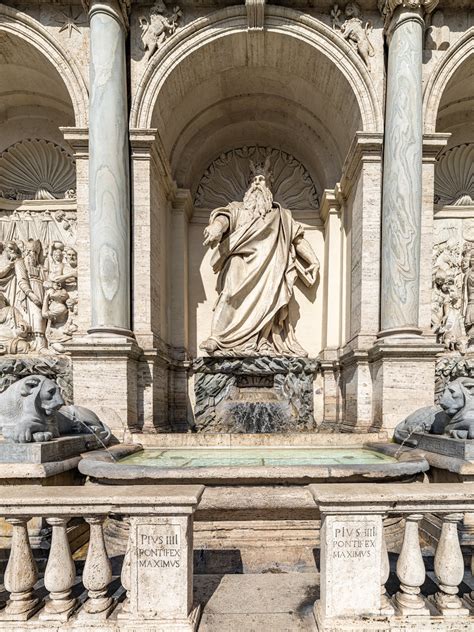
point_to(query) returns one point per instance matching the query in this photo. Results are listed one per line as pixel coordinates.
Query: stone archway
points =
(451, 61)
(21, 25)
(233, 20)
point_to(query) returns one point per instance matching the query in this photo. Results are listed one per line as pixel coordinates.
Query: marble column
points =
(109, 171)
(402, 179)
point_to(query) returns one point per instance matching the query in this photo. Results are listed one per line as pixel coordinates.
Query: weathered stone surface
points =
(259, 395)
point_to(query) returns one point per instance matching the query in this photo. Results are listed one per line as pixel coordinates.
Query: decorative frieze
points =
(228, 176)
(38, 280)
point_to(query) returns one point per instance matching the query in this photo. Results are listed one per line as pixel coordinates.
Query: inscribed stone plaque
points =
(161, 585)
(350, 565)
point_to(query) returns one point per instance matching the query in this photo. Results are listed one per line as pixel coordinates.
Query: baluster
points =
(386, 607)
(20, 575)
(449, 568)
(126, 579)
(59, 575)
(97, 573)
(411, 571)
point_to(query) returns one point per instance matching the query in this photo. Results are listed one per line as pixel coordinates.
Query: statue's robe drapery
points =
(257, 267)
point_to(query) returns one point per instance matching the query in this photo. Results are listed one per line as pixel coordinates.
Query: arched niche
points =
(29, 45)
(213, 88)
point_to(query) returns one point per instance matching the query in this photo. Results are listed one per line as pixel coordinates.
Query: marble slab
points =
(48, 451)
(446, 446)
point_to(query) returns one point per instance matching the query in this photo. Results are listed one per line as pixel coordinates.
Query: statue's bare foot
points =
(209, 345)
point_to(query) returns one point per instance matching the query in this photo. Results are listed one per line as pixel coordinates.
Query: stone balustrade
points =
(355, 563)
(156, 572)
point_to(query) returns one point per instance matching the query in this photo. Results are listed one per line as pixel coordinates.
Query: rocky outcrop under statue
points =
(263, 394)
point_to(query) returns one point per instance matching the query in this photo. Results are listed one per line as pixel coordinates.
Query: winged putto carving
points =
(158, 27)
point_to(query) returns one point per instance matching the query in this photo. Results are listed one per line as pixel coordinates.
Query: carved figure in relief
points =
(14, 330)
(453, 417)
(36, 276)
(158, 27)
(448, 303)
(261, 252)
(354, 31)
(469, 298)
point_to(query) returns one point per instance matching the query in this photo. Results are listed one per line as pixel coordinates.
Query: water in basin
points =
(252, 457)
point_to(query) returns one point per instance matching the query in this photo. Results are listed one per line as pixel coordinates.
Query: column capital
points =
(387, 7)
(118, 9)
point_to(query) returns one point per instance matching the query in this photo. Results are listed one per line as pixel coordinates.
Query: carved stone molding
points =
(228, 176)
(454, 176)
(255, 14)
(36, 169)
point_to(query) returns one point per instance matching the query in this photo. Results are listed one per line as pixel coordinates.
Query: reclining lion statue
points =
(454, 416)
(33, 409)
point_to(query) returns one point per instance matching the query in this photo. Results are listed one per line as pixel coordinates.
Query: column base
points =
(110, 331)
(105, 378)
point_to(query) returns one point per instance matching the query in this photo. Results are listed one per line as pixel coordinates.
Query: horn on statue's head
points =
(262, 169)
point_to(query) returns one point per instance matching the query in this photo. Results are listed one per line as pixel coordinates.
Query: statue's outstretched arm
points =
(214, 232)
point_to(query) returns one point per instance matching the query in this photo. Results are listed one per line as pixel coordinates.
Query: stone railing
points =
(156, 571)
(355, 563)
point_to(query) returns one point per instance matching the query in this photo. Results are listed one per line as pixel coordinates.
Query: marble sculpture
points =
(261, 252)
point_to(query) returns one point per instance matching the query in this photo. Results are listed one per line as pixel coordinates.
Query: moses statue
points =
(261, 251)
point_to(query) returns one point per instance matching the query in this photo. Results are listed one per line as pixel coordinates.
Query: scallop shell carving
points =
(454, 179)
(36, 169)
(227, 179)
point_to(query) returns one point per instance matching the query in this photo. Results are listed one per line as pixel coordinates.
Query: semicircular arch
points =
(280, 20)
(454, 58)
(25, 27)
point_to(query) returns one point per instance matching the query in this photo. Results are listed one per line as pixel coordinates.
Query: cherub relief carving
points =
(353, 30)
(158, 27)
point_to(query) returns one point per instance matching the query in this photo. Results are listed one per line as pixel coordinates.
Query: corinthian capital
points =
(387, 7)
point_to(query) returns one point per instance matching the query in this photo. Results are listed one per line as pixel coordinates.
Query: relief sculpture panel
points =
(38, 257)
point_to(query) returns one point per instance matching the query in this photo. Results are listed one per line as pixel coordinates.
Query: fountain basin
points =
(239, 463)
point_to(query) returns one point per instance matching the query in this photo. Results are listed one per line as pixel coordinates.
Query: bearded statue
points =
(259, 252)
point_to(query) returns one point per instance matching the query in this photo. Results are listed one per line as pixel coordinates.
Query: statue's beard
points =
(258, 200)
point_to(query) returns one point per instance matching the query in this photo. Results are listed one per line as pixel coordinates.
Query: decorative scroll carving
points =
(158, 27)
(38, 281)
(228, 176)
(454, 177)
(36, 169)
(353, 30)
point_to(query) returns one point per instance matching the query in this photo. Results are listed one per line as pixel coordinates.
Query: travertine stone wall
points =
(213, 84)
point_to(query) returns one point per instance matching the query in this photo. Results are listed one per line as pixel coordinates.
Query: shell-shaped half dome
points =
(36, 169)
(454, 180)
